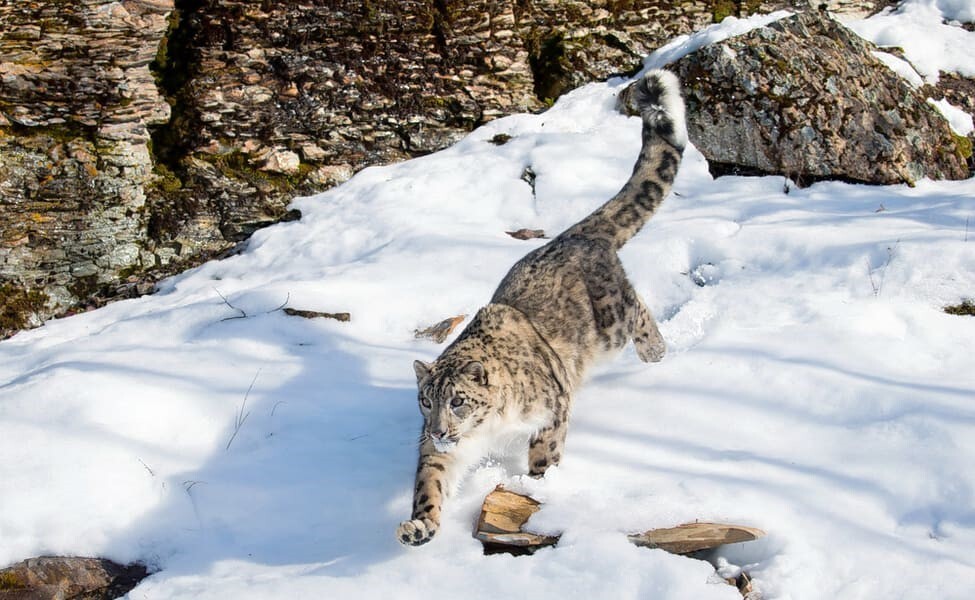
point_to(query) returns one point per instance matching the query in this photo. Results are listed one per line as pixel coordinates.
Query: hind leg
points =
(650, 346)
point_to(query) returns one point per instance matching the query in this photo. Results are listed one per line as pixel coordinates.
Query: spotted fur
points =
(514, 367)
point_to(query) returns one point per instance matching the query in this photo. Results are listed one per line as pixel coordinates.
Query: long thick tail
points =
(656, 97)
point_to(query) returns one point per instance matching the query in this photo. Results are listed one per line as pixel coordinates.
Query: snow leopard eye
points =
(456, 402)
(425, 402)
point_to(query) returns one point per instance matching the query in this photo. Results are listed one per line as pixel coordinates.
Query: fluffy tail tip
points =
(657, 99)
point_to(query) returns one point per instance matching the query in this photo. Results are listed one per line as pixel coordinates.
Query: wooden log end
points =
(502, 520)
(691, 537)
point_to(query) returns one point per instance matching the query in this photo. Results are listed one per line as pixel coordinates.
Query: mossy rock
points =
(967, 308)
(17, 307)
(963, 145)
(722, 9)
(10, 581)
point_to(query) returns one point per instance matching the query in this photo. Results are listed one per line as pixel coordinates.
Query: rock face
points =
(76, 101)
(138, 137)
(805, 98)
(276, 98)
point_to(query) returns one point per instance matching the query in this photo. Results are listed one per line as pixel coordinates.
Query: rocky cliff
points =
(138, 137)
(77, 99)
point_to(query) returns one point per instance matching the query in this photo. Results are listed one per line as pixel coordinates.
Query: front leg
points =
(432, 482)
(545, 448)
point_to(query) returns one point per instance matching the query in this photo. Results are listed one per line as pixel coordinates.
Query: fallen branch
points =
(242, 315)
(314, 314)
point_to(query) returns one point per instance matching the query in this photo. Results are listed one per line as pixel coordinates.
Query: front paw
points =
(416, 532)
(650, 352)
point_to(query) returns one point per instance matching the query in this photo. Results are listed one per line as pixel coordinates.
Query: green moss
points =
(10, 581)
(751, 7)
(963, 145)
(237, 165)
(166, 182)
(967, 307)
(84, 287)
(63, 132)
(720, 9)
(171, 67)
(17, 305)
(500, 139)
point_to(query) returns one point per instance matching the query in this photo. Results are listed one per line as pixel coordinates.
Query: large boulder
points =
(805, 97)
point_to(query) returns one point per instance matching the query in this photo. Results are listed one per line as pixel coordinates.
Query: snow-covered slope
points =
(813, 388)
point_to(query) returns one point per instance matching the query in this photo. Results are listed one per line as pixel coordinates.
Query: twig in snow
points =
(878, 286)
(873, 284)
(242, 314)
(283, 304)
(188, 485)
(151, 472)
(241, 415)
(273, 409)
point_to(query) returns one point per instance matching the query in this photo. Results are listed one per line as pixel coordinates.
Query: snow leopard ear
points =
(422, 370)
(475, 371)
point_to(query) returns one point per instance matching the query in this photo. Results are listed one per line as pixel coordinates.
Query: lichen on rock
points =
(805, 97)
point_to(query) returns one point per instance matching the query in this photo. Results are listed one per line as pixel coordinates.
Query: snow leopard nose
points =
(438, 434)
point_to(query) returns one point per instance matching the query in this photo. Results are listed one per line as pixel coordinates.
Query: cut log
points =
(501, 527)
(502, 517)
(691, 537)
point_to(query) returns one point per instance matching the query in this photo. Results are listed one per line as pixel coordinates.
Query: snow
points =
(813, 387)
(729, 27)
(928, 32)
(959, 120)
(901, 67)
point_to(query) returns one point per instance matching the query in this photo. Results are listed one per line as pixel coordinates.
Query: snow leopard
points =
(513, 370)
